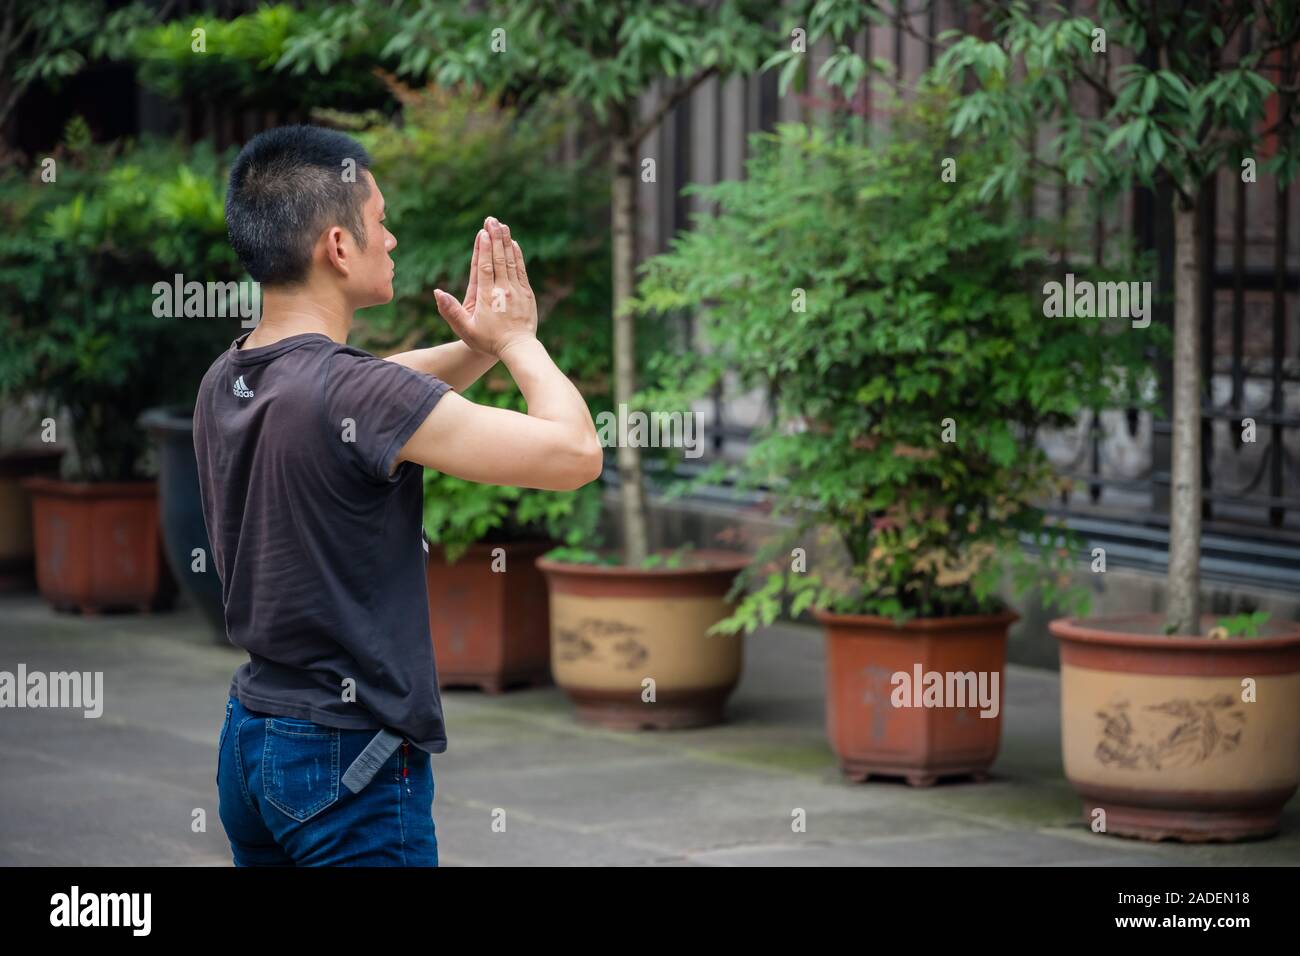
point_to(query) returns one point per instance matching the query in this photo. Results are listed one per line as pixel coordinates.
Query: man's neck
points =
(286, 313)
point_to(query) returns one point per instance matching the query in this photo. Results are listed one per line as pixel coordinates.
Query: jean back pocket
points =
(300, 767)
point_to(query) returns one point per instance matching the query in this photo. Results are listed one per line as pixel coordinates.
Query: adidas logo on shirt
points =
(242, 390)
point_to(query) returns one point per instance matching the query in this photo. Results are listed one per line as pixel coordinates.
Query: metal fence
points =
(1119, 457)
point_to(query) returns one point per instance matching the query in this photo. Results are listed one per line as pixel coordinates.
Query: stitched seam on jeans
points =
(239, 767)
(401, 818)
(221, 743)
(225, 727)
(284, 731)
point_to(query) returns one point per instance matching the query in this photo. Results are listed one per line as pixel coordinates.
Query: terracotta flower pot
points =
(490, 626)
(17, 546)
(914, 726)
(1161, 734)
(97, 545)
(614, 628)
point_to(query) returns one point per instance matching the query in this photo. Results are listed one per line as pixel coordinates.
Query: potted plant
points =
(627, 65)
(84, 334)
(22, 456)
(627, 627)
(1167, 732)
(890, 317)
(453, 159)
(17, 546)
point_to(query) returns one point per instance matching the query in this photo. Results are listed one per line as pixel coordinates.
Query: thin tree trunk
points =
(622, 215)
(1185, 460)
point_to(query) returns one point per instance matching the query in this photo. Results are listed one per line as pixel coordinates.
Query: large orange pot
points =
(629, 645)
(97, 545)
(17, 546)
(488, 616)
(880, 717)
(1179, 737)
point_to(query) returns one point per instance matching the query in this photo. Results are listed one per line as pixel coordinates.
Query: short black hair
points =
(287, 187)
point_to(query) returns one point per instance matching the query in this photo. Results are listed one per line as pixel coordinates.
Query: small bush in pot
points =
(894, 320)
(454, 159)
(1166, 732)
(80, 332)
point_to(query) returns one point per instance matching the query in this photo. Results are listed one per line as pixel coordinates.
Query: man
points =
(310, 457)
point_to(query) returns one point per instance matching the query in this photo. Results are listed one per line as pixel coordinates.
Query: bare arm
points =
(454, 362)
(552, 447)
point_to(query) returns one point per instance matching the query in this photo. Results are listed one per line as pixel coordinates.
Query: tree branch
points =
(1107, 94)
(667, 104)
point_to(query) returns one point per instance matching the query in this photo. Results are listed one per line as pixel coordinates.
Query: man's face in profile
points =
(372, 280)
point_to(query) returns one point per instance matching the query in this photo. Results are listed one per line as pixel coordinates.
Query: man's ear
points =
(336, 240)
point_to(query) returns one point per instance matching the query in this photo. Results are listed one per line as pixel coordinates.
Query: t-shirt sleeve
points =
(373, 406)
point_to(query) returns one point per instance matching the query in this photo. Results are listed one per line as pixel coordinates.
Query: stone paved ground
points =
(121, 789)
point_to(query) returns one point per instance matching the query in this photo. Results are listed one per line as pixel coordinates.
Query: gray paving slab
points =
(123, 788)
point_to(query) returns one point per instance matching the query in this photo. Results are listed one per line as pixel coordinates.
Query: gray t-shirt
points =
(320, 551)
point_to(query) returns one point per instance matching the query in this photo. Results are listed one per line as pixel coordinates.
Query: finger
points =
(484, 253)
(512, 269)
(519, 267)
(499, 274)
(471, 287)
(452, 311)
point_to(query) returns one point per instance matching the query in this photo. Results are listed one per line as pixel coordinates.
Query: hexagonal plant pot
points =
(921, 744)
(490, 627)
(17, 544)
(97, 545)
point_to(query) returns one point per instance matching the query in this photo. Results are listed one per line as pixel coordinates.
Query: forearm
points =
(548, 392)
(455, 363)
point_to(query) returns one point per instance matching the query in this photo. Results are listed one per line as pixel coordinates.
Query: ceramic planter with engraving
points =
(1180, 737)
(874, 737)
(488, 616)
(615, 628)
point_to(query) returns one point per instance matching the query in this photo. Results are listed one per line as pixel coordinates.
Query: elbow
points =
(595, 461)
(587, 464)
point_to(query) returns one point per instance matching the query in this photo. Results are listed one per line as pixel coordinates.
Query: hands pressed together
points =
(554, 445)
(499, 308)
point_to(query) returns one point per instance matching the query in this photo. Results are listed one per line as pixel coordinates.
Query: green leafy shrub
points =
(453, 160)
(79, 258)
(885, 310)
(275, 57)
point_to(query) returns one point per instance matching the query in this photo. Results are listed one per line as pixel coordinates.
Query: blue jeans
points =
(282, 804)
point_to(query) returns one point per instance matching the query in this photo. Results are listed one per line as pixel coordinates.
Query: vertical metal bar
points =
(1239, 283)
(930, 31)
(898, 47)
(719, 173)
(1238, 301)
(1209, 212)
(681, 177)
(1277, 450)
